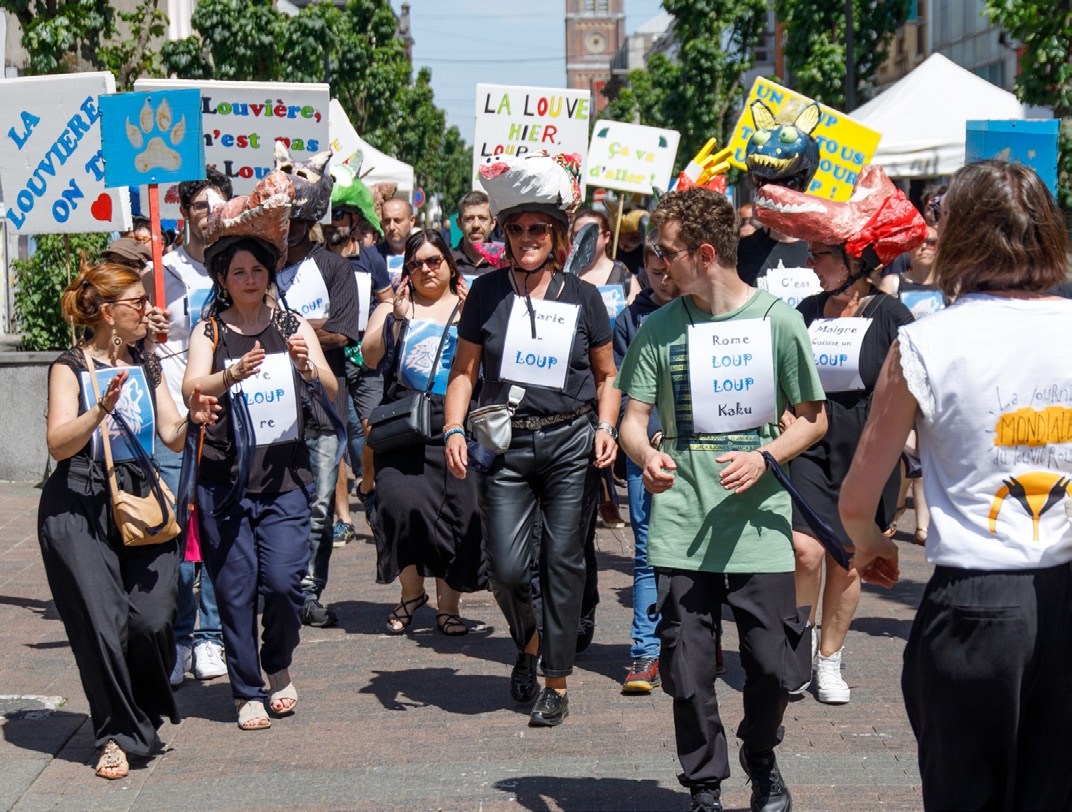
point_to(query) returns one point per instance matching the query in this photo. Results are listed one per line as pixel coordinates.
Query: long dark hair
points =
(431, 237)
(220, 264)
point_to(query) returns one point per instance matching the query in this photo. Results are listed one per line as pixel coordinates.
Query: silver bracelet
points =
(609, 428)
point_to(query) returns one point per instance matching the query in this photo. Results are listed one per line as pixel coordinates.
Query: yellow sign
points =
(844, 145)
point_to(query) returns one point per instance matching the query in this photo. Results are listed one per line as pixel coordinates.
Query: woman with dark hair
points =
(988, 386)
(117, 603)
(605, 272)
(255, 524)
(426, 522)
(531, 328)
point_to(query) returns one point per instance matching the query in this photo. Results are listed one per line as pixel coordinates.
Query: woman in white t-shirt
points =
(987, 383)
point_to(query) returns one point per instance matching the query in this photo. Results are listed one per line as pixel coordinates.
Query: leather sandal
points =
(890, 531)
(283, 697)
(252, 715)
(403, 613)
(450, 625)
(113, 762)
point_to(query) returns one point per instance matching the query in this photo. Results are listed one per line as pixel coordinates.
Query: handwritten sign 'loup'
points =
(518, 120)
(51, 165)
(844, 145)
(631, 157)
(152, 137)
(241, 121)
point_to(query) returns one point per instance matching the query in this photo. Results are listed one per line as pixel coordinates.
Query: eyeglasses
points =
(433, 263)
(814, 257)
(664, 255)
(199, 206)
(931, 241)
(935, 205)
(537, 230)
(138, 302)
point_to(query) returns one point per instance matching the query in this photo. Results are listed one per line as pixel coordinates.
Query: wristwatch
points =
(609, 428)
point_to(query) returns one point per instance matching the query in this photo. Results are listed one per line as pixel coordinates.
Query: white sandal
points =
(282, 689)
(252, 715)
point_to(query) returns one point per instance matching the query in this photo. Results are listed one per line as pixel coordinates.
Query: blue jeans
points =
(322, 450)
(169, 462)
(645, 641)
(355, 439)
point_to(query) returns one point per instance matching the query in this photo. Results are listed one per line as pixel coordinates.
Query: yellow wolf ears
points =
(762, 116)
(808, 119)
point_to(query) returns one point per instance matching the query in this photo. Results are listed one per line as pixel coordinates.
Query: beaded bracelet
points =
(448, 432)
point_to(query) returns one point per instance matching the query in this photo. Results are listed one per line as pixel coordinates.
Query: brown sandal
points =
(113, 762)
(403, 613)
(450, 625)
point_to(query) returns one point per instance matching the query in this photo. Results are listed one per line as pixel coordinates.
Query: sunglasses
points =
(935, 205)
(338, 214)
(432, 262)
(815, 257)
(664, 255)
(930, 241)
(138, 302)
(537, 230)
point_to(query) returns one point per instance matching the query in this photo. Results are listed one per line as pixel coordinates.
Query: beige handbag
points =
(140, 520)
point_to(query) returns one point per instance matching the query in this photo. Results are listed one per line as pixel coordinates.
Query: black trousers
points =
(775, 654)
(988, 687)
(549, 470)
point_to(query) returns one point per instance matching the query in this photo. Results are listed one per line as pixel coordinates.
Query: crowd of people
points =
(313, 337)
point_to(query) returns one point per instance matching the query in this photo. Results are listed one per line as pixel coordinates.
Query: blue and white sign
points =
(135, 404)
(305, 290)
(731, 375)
(613, 300)
(271, 398)
(418, 353)
(152, 137)
(922, 302)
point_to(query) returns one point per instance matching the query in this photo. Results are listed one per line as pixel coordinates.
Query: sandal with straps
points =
(113, 762)
(283, 696)
(403, 613)
(450, 625)
(252, 715)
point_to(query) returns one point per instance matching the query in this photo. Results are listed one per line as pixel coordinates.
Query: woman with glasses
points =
(117, 603)
(529, 327)
(426, 523)
(988, 387)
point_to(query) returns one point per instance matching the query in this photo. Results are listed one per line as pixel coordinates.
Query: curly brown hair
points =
(1001, 230)
(706, 218)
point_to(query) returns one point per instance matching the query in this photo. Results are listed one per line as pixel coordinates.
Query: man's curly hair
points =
(704, 217)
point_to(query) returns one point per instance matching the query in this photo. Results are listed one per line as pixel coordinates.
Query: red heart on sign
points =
(102, 208)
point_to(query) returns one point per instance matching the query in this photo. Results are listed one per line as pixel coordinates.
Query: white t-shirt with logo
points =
(186, 289)
(993, 379)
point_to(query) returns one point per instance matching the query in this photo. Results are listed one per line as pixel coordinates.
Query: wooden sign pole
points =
(158, 251)
(618, 225)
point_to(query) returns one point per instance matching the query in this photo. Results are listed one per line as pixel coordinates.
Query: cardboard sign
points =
(515, 120)
(631, 157)
(152, 137)
(844, 145)
(791, 285)
(135, 404)
(271, 398)
(731, 375)
(51, 165)
(1031, 143)
(241, 121)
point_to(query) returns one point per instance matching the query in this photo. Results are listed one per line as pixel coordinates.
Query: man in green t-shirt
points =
(722, 362)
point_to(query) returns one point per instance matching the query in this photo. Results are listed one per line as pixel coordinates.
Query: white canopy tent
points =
(376, 167)
(922, 118)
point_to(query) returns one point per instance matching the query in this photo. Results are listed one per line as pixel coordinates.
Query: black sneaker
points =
(550, 709)
(586, 630)
(705, 800)
(769, 792)
(313, 613)
(523, 685)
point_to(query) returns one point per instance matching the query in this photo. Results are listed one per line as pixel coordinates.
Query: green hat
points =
(349, 192)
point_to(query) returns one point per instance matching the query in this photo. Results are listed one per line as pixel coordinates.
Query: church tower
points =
(594, 31)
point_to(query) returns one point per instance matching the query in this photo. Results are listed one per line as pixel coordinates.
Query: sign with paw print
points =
(51, 166)
(152, 137)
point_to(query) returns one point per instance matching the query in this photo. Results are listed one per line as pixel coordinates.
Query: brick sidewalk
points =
(423, 721)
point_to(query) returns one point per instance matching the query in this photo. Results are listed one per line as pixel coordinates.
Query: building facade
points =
(595, 30)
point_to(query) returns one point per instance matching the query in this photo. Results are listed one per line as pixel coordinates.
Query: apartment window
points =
(589, 6)
(603, 6)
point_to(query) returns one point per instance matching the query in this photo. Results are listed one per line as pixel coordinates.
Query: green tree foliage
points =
(1044, 30)
(353, 48)
(702, 93)
(815, 43)
(71, 36)
(39, 284)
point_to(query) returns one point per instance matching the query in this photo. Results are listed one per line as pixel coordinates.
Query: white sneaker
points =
(184, 658)
(208, 660)
(832, 688)
(803, 689)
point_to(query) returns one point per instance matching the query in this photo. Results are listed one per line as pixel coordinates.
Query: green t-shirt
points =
(697, 524)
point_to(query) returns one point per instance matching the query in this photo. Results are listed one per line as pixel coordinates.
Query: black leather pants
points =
(549, 469)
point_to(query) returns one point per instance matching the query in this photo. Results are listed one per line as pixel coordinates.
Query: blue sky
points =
(509, 42)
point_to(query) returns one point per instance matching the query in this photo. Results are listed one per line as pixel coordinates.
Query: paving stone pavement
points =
(425, 722)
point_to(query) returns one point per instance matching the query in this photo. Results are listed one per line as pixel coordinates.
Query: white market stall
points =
(922, 118)
(376, 167)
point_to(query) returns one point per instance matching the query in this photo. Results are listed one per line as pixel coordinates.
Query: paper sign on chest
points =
(51, 166)
(836, 344)
(731, 375)
(543, 360)
(272, 401)
(135, 404)
(791, 285)
(303, 285)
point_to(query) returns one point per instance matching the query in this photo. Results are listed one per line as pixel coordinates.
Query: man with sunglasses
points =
(722, 363)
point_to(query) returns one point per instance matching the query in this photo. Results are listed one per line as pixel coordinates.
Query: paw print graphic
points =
(156, 153)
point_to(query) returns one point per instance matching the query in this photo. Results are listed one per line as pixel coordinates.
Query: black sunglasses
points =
(537, 230)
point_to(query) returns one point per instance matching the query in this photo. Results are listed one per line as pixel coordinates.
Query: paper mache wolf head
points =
(312, 182)
(783, 150)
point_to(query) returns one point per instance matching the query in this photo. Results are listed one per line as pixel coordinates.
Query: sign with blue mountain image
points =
(152, 137)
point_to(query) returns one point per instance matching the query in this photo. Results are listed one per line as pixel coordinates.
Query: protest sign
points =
(241, 121)
(631, 157)
(844, 145)
(152, 137)
(518, 120)
(51, 166)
